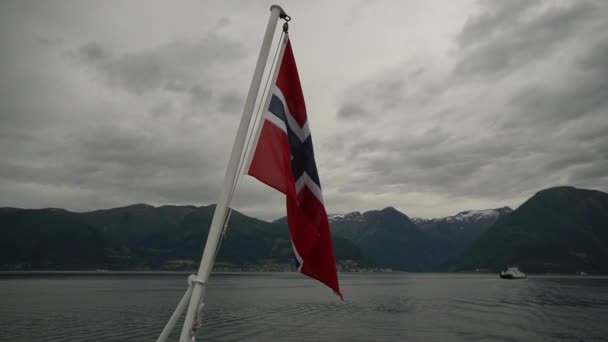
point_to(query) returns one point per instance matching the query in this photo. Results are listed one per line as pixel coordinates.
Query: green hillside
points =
(144, 237)
(392, 240)
(562, 230)
(49, 239)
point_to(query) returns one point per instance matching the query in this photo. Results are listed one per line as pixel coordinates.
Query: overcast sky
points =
(432, 107)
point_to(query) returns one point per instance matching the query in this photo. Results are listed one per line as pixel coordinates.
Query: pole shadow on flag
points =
(282, 157)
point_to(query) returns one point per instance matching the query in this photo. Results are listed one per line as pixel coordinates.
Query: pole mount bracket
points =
(199, 281)
(282, 14)
(192, 279)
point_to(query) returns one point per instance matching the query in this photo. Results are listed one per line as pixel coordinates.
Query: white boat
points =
(512, 273)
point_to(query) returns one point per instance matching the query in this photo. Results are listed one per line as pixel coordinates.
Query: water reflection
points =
(288, 307)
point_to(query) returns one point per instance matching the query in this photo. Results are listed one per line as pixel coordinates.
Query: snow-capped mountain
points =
(466, 217)
(463, 228)
(389, 238)
(392, 239)
(353, 217)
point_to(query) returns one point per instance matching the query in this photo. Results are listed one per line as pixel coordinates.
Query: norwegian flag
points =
(283, 159)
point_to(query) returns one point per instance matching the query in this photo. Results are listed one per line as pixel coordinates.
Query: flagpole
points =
(257, 126)
(164, 335)
(219, 216)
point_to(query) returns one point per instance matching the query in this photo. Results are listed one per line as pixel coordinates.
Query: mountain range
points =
(144, 237)
(394, 240)
(560, 229)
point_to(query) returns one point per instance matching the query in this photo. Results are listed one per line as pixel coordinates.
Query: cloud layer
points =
(441, 108)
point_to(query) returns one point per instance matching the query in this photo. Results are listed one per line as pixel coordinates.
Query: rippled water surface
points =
(289, 307)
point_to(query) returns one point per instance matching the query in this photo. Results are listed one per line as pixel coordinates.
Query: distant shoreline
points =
(186, 273)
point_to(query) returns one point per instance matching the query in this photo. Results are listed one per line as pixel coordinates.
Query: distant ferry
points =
(512, 273)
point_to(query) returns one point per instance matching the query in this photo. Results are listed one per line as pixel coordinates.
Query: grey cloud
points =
(494, 17)
(388, 91)
(200, 95)
(591, 172)
(177, 86)
(69, 140)
(545, 134)
(504, 137)
(596, 58)
(110, 158)
(222, 23)
(93, 52)
(46, 41)
(585, 93)
(451, 168)
(590, 131)
(137, 72)
(162, 109)
(364, 145)
(568, 160)
(111, 143)
(492, 166)
(541, 103)
(231, 102)
(173, 66)
(514, 102)
(436, 136)
(507, 35)
(349, 110)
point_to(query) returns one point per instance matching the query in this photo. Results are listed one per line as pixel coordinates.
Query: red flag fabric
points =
(284, 159)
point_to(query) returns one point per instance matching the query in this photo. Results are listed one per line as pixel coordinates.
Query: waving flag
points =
(283, 159)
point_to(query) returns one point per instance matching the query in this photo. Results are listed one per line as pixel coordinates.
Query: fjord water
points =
(289, 307)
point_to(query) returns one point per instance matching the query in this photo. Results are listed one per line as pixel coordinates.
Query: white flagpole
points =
(219, 216)
(164, 335)
(257, 126)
